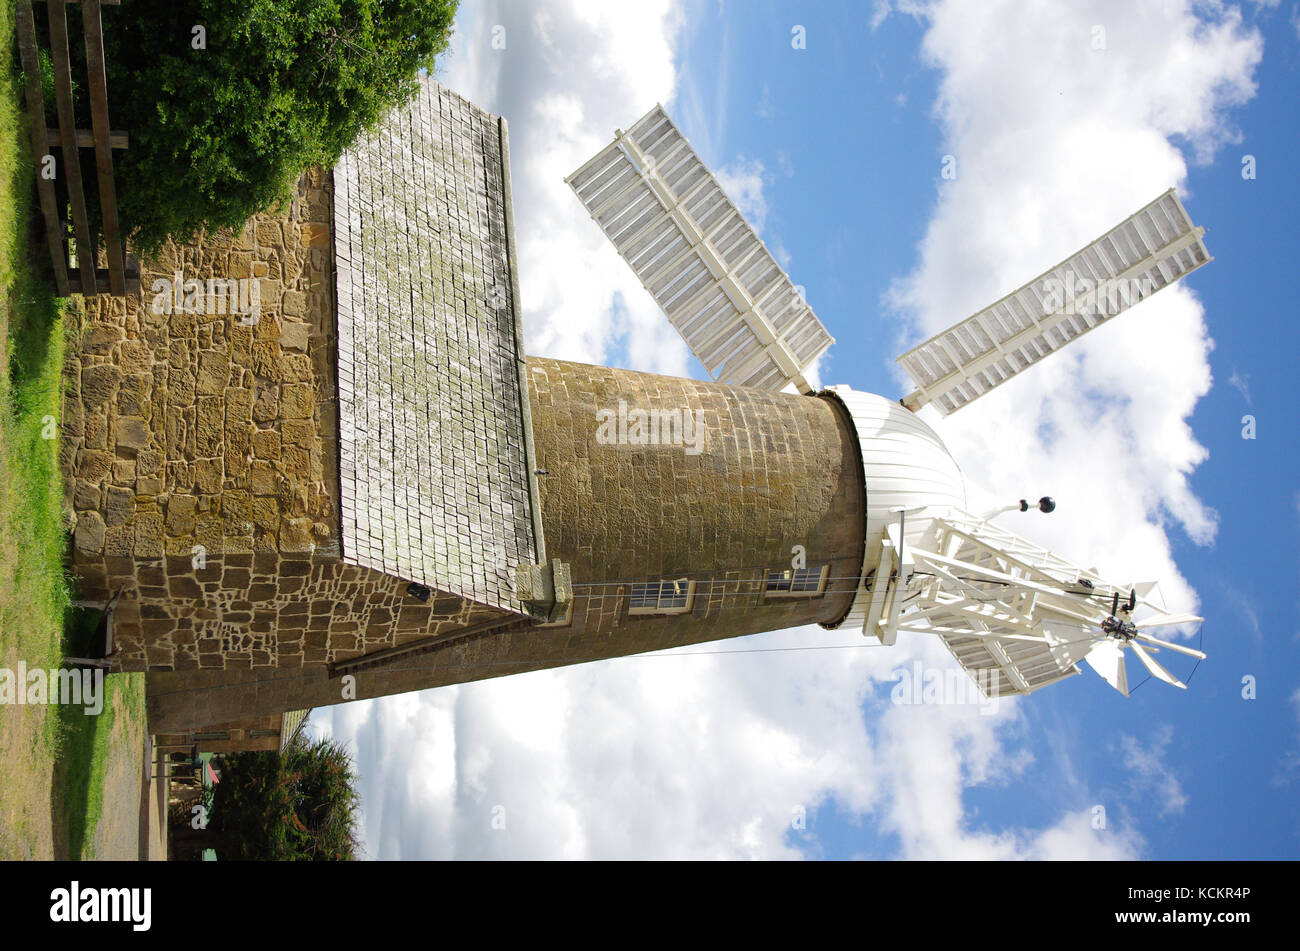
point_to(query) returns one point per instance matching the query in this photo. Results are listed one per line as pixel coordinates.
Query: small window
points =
(796, 582)
(662, 597)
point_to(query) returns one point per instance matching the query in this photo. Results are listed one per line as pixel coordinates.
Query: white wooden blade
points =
(1107, 658)
(1156, 670)
(1189, 651)
(1144, 588)
(1150, 250)
(1171, 619)
(691, 248)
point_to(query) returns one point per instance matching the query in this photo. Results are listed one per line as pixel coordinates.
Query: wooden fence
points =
(122, 275)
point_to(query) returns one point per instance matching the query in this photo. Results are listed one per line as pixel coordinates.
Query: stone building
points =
(264, 733)
(348, 480)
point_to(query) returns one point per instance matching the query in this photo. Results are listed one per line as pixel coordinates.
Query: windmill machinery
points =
(1016, 616)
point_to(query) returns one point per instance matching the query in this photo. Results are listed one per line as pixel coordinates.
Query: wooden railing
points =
(122, 275)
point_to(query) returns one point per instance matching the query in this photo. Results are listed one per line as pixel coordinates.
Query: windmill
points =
(1016, 616)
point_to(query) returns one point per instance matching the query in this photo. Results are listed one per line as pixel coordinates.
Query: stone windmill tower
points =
(876, 518)
(366, 487)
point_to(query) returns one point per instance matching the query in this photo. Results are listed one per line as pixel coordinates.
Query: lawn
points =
(55, 758)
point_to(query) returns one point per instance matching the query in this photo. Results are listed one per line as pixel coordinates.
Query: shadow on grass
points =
(74, 809)
(33, 313)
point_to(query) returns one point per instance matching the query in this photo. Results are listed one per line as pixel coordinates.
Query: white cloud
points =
(1241, 384)
(710, 755)
(1044, 167)
(570, 75)
(879, 13)
(664, 756)
(690, 756)
(1073, 838)
(1152, 778)
(743, 182)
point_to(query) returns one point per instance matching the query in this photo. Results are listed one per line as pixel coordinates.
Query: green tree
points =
(297, 805)
(227, 103)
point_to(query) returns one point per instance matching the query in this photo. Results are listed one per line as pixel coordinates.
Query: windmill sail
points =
(1148, 251)
(700, 260)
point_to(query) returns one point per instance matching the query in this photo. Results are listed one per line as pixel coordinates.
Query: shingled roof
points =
(435, 460)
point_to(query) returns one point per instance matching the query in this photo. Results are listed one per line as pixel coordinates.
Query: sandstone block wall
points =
(254, 733)
(200, 458)
(773, 471)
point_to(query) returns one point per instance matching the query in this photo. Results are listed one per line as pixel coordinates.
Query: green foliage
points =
(221, 132)
(47, 87)
(299, 805)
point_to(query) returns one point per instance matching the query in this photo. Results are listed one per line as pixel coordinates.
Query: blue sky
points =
(835, 150)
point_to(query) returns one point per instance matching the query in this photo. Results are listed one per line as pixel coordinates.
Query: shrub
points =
(297, 805)
(222, 131)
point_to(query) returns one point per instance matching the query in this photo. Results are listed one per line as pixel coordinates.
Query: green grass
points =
(32, 604)
(79, 776)
(86, 745)
(54, 758)
(33, 591)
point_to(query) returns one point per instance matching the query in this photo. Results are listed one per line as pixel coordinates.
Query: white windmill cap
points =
(905, 464)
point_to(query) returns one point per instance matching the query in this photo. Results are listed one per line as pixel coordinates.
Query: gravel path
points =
(132, 820)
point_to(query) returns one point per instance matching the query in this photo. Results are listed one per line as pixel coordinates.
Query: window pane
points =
(672, 594)
(666, 596)
(644, 595)
(778, 580)
(807, 579)
(795, 581)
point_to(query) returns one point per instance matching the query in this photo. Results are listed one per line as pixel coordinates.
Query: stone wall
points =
(774, 470)
(254, 733)
(191, 425)
(200, 456)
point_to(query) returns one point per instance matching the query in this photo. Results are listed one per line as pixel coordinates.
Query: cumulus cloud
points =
(694, 755)
(570, 74)
(1075, 837)
(1043, 168)
(713, 751)
(743, 182)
